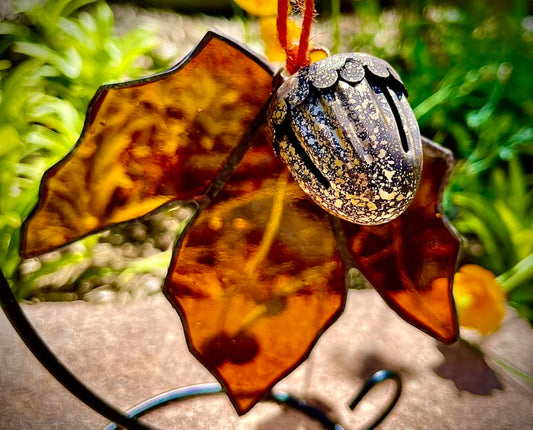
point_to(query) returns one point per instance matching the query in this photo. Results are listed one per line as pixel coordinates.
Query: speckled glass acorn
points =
(346, 132)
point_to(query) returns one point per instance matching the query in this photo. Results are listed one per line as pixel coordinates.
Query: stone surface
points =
(129, 352)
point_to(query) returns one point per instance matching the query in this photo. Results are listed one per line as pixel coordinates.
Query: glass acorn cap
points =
(350, 139)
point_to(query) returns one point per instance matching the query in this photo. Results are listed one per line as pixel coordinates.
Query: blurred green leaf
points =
(49, 71)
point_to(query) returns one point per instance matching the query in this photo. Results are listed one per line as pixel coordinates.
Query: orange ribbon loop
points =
(297, 56)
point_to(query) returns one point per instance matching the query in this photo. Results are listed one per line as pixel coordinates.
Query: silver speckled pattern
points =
(346, 132)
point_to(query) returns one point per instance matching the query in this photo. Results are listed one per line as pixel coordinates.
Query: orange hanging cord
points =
(297, 56)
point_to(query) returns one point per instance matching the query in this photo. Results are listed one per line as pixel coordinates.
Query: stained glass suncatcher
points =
(259, 273)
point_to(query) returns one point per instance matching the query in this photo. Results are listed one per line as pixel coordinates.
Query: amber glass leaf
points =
(411, 261)
(149, 142)
(257, 279)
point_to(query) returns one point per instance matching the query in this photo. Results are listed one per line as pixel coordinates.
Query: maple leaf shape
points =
(149, 142)
(259, 273)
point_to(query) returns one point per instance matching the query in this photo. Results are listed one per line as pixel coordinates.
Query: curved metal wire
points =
(377, 378)
(169, 397)
(200, 390)
(302, 406)
(276, 396)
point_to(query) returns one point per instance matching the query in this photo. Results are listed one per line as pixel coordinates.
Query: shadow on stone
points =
(373, 362)
(467, 368)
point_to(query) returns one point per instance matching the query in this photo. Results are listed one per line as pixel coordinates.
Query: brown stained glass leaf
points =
(411, 260)
(257, 279)
(149, 142)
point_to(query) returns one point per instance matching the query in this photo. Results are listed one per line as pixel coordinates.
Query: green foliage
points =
(49, 71)
(468, 71)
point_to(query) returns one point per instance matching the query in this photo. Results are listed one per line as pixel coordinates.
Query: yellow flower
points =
(267, 11)
(269, 34)
(479, 299)
(259, 7)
